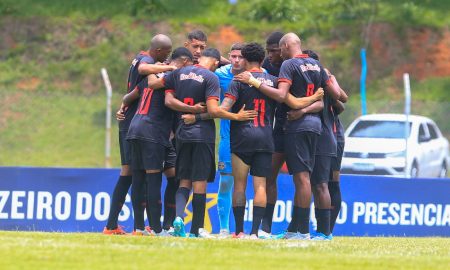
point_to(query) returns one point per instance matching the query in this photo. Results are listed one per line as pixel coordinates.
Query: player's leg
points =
(322, 202)
(260, 169)
(240, 174)
(203, 170)
(183, 170)
(198, 206)
(171, 188)
(271, 189)
(334, 185)
(153, 159)
(224, 195)
(138, 188)
(300, 150)
(121, 189)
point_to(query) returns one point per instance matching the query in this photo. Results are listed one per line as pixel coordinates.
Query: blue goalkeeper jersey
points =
(225, 78)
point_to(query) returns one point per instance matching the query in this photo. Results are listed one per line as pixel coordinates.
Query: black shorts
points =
(125, 148)
(170, 157)
(278, 141)
(260, 162)
(147, 155)
(300, 149)
(336, 161)
(321, 171)
(195, 161)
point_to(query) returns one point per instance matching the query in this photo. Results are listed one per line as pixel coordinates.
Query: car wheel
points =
(414, 170)
(443, 171)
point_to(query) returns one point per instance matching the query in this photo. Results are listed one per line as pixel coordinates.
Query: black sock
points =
(153, 181)
(295, 221)
(239, 212)
(336, 200)
(303, 220)
(138, 198)
(323, 222)
(258, 214)
(266, 224)
(181, 198)
(169, 202)
(198, 209)
(117, 200)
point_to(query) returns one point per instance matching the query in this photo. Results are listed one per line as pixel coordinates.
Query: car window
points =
(380, 129)
(422, 133)
(432, 130)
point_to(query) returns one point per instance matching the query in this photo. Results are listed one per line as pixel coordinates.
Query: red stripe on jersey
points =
(285, 80)
(169, 91)
(302, 56)
(213, 97)
(230, 96)
(200, 66)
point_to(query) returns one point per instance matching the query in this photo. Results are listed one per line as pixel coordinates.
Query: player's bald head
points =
(290, 39)
(160, 41)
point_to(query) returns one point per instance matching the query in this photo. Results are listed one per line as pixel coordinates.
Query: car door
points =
(436, 149)
(424, 157)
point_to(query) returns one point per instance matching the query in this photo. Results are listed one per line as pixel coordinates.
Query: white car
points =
(375, 145)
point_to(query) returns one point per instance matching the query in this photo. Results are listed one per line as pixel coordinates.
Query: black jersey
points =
(153, 120)
(191, 85)
(256, 135)
(305, 75)
(326, 144)
(133, 79)
(280, 112)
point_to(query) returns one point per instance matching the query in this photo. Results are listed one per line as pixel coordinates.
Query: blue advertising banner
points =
(77, 200)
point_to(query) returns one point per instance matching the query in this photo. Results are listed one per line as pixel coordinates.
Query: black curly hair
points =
(312, 54)
(253, 52)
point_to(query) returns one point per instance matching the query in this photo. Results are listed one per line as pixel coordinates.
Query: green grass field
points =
(32, 250)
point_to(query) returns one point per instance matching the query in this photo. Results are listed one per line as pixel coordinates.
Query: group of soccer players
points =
(275, 108)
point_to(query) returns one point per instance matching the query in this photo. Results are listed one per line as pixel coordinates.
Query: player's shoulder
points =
(223, 71)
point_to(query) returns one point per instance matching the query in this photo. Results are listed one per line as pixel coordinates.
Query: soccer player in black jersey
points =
(142, 65)
(300, 76)
(325, 153)
(151, 149)
(272, 64)
(251, 141)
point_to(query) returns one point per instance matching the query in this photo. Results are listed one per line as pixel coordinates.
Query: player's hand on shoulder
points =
(294, 114)
(188, 119)
(319, 94)
(200, 107)
(243, 77)
(248, 115)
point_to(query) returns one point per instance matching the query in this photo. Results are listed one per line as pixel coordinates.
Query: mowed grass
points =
(35, 250)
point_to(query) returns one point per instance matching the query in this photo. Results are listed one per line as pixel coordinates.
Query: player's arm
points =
(155, 82)
(338, 107)
(343, 97)
(146, 68)
(221, 111)
(217, 111)
(130, 97)
(313, 108)
(300, 103)
(279, 94)
(173, 103)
